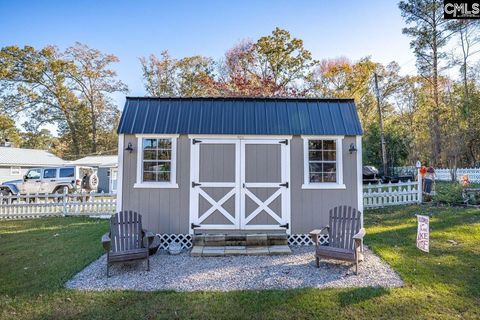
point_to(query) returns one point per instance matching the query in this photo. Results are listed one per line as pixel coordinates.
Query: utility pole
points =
(380, 125)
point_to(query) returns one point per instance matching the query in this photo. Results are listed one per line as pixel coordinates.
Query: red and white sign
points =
(423, 233)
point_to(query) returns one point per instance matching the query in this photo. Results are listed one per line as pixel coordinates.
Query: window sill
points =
(153, 185)
(324, 186)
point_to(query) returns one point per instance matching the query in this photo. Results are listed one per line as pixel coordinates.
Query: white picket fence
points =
(98, 204)
(40, 205)
(392, 194)
(446, 174)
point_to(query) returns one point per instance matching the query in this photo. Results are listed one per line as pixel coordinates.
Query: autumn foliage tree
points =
(94, 81)
(69, 90)
(275, 65)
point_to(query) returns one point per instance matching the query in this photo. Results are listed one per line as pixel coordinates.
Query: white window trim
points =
(15, 171)
(306, 169)
(173, 163)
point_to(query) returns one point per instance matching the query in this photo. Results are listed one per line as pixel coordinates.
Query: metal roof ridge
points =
(238, 98)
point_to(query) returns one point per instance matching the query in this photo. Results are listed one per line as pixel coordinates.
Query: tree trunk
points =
(470, 136)
(435, 134)
(94, 130)
(75, 137)
(471, 149)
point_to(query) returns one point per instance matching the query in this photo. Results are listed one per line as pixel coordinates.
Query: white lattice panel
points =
(184, 239)
(305, 240)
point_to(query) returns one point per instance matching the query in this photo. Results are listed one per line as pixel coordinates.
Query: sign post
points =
(423, 233)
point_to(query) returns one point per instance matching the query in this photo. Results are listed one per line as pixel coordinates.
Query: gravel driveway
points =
(185, 273)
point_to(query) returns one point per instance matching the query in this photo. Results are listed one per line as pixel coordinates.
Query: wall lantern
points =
(129, 147)
(352, 148)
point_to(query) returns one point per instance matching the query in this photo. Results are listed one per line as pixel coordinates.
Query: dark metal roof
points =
(256, 116)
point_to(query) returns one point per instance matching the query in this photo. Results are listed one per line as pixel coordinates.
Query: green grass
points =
(38, 256)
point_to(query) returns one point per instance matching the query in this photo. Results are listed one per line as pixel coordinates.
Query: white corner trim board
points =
(173, 163)
(339, 164)
(121, 139)
(358, 142)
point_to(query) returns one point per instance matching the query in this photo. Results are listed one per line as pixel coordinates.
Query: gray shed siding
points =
(167, 210)
(310, 207)
(163, 210)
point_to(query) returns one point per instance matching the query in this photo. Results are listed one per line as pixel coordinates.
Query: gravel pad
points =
(186, 273)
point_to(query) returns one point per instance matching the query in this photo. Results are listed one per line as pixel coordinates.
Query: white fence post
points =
(65, 199)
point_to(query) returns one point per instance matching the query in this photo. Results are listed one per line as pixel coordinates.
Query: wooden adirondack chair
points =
(125, 241)
(345, 236)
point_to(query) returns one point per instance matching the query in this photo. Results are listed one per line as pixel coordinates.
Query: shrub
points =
(448, 193)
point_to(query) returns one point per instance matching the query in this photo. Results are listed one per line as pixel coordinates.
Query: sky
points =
(132, 29)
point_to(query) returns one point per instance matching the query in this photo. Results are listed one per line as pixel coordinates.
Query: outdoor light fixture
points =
(129, 147)
(352, 148)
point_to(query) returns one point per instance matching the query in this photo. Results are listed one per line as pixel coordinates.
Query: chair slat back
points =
(126, 231)
(344, 224)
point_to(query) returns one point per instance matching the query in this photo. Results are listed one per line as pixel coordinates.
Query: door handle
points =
(243, 185)
(52, 180)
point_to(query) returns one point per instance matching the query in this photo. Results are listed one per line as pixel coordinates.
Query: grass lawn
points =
(38, 256)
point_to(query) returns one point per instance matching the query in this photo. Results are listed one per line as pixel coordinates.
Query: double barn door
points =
(240, 184)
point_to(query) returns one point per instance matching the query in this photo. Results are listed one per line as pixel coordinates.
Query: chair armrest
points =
(149, 236)
(106, 241)
(359, 235)
(315, 234)
(358, 239)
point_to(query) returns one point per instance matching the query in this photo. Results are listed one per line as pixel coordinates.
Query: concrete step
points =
(240, 239)
(221, 251)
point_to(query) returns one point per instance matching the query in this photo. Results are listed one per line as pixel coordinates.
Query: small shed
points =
(15, 162)
(107, 168)
(238, 164)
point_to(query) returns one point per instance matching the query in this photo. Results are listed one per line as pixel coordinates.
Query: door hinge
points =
(286, 225)
(196, 141)
(285, 142)
(194, 184)
(284, 184)
(193, 226)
